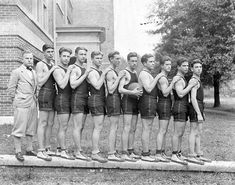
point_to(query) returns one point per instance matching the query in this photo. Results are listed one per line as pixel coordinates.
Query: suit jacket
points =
(22, 88)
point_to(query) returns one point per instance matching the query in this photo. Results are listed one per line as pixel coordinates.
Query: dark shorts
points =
(164, 109)
(63, 103)
(193, 113)
(113, 105)
(129, 105)
(180, 111)
(46, 99)
(79, 104)
(96, 104)
(147, 107)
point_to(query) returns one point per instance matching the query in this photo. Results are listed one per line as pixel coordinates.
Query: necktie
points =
(29, 68)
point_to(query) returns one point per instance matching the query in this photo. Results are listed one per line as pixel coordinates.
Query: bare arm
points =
(95, 79)
(61, 80)
(12, 85)
(121, 89)
(76, 79)
(165, 87)
(42, 75)
(148, 86)
(195, 103)
(112, 84)
(181, 91)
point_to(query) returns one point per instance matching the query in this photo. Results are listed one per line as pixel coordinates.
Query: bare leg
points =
(192, 137)
(98, 124)
(50, 123)
(126, 129)
(42, 125)
(77, 128)
(63, 120)
(161, 136)
(146, 128)
(114, 121)
(132, 131)
(179, 128)
(198, 139)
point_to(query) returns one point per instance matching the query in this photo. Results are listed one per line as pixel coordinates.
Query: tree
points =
(199, 29)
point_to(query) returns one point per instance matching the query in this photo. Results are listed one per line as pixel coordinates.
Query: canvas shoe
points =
(82, 157)
(65, 154)
(128, 158)
(148, 158)
(174, 158)
(99, 158)
(114, 157)
(49, 152)
(158, 157)
(135, 156)
(19, 156)
(195, 160)
(43, 155)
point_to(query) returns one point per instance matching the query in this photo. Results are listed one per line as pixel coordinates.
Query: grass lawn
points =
(218, 143)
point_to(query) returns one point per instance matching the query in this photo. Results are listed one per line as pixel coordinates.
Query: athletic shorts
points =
(96, 104)
(147, 107)
(46, 99)
(113, 104)
(63, 103)
(180, 111)
(79, 104)
(193, 113)
(129, 105)
(25, 121)
(164, 109)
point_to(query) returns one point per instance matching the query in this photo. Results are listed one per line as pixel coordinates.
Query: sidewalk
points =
(215, 166)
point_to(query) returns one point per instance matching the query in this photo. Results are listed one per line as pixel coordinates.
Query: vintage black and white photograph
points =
(117, 92)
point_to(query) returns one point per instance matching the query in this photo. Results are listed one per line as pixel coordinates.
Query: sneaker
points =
(175, 159)
(43, 155)
(31, 153)
(97, 157)
(19, 156)
(49, 152)
(82, 157)
(158, 157)
(181, 157)
(65, 154)
(204, 159)
(114, 157)
(195, 160)
(128, 158)
(135, 156)
(147, 158)
(165, 156)
(58, 152)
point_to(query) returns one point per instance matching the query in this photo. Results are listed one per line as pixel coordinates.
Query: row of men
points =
(75, 90)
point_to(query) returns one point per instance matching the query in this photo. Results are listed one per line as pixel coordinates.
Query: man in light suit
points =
(22, 88)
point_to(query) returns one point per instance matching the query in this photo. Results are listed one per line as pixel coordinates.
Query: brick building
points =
(27, 25)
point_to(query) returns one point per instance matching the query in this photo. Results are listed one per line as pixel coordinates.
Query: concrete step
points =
(30, 161)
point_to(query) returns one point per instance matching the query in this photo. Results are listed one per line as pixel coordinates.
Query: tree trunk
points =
(216, 84)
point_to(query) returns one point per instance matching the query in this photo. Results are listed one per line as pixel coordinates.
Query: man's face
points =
(82, 56)
(197, 69)
(97, 60)
(49, 54)
(64, 57)
(183, 68)
(167, 66)
(150, 63)
(28, 59)
(133, 62)
(116, 60)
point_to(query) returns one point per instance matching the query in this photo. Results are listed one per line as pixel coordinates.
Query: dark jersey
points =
(153, 93)
(160, 94)
(94, 91)
(67, 89)
(177, 98)
(116, 92)
(50, 83)
(82, 89)
(134, 79)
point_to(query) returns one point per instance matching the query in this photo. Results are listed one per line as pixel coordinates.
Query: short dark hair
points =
(95, 53)
(63, 49)
(164, 59)
(131, 54)
(112, 54)
(181, 60)
(195, 61)
(145, 58)
(79, 48)
(47, 46)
